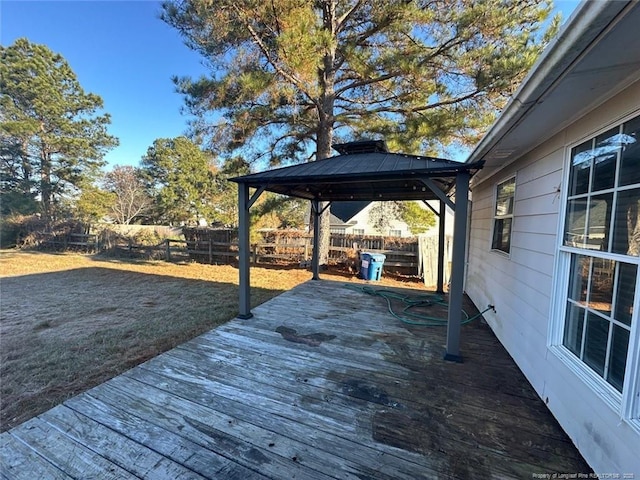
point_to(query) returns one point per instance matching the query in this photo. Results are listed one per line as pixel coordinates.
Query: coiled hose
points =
(414, 301)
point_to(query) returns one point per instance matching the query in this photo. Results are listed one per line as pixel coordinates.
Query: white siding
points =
(361, 221)
(520, 287)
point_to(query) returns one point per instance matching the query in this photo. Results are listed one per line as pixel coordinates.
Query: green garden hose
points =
(414, 301)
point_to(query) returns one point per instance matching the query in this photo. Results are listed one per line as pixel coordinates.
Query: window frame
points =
(391, 230)
(625, 403)
(495, 217)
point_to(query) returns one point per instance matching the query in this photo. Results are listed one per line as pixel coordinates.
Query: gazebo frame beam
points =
(437, 192)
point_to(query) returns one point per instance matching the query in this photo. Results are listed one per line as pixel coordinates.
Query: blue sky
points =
(123, 52)
(119, 50)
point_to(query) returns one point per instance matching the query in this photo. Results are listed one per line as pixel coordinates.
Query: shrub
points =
(147, 238)
(31, 231)
(10, 230)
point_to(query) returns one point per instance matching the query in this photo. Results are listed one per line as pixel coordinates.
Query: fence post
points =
(210, 252)
(255, 253)
(168, 249)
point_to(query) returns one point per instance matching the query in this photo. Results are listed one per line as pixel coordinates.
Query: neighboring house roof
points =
(342, 212)
(333, 221)
(595, 56)
(345, 211)
(336, 222)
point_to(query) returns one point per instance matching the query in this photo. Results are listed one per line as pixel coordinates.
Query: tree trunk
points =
(325, 121)
(325, 135)
(26, 170)
(45, 184)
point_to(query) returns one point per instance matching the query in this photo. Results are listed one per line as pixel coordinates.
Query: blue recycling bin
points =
(371, 265)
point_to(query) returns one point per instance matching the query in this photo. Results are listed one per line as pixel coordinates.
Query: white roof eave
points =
(544, 92)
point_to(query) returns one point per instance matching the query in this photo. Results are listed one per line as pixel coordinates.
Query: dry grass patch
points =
(69, 322)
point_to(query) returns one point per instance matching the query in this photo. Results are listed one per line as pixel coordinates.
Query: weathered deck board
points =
(344, 404)
(297, 409)
(138, 459)
(323, 383)
(317, 433)
(22, 463)
(317, 379)
(259, 442)
(171, 445)
(66, 454)
(201, 425)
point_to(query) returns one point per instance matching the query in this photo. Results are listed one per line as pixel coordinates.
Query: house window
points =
(358, 231)
(395, 233)
(503, 215)
(599, 314)
(600, 252)
(338, 230)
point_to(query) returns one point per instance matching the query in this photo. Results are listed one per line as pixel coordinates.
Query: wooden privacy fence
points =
(428, 266)
(409, 255)
(221, 246)
(71, 241)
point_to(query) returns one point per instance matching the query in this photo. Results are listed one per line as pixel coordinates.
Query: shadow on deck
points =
(322, 383)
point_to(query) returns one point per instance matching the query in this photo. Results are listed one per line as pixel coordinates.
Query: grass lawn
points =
(69, 322)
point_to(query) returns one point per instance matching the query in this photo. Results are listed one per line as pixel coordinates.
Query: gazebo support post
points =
(452, 352)
(315, 260)
(440, 281)
(244, 251)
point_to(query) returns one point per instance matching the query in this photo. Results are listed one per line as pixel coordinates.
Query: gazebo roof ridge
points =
(361, 146)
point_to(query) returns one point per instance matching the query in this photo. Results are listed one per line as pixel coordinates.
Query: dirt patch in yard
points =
(69, 322)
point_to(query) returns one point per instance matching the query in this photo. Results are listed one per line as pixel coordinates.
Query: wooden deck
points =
(322, 383)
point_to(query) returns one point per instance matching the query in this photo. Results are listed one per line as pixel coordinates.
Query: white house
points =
(555, 232)
(353, 218)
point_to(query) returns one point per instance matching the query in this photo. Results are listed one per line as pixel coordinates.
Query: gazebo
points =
(365, 170)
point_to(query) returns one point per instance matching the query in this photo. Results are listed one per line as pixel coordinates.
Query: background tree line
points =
(288, 78)
(53, 138)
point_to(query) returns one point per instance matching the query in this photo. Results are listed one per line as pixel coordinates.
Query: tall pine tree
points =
(289, 75)
(52, 135)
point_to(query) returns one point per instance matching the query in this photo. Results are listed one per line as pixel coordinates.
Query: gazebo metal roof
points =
(362, 176)
(366, 171)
